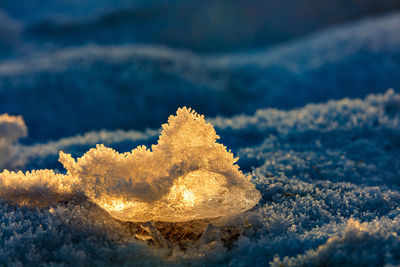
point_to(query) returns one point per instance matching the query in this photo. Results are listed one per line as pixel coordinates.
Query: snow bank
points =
(10, 32)
(12, 128)
(178, 23)
(139, 86)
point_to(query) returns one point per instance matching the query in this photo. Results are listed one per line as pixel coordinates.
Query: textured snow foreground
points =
(327, 174)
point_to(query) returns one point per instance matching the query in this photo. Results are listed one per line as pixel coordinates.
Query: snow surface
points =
(327, 174)
(322, 152)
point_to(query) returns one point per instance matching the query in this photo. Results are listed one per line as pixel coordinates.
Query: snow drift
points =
(12, 128)
(139, 85)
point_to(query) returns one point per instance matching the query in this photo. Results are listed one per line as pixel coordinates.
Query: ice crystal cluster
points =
(186, 176)
(36, 188)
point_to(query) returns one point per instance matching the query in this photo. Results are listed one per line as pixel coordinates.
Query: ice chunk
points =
(211, 234)
(186, 176)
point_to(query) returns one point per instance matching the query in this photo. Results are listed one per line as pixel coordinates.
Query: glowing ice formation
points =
(186, 176)
(37, 188)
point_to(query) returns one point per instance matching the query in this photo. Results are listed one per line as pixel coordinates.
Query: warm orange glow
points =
(187, 175)
(188, 198)
(115, 205)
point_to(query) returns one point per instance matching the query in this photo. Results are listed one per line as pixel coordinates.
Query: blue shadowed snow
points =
(322, 170)
(198, 25)
(138, 86)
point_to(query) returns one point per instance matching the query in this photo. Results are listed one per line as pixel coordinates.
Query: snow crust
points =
(309, 213)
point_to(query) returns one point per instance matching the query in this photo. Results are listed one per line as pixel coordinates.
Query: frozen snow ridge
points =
(11, 129)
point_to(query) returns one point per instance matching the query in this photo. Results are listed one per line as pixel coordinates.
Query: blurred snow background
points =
(285, 83)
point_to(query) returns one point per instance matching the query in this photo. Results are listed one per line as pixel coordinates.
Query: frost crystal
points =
(37, 188)
(186, 176)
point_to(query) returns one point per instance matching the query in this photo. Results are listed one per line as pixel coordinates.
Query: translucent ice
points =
(186, 176)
